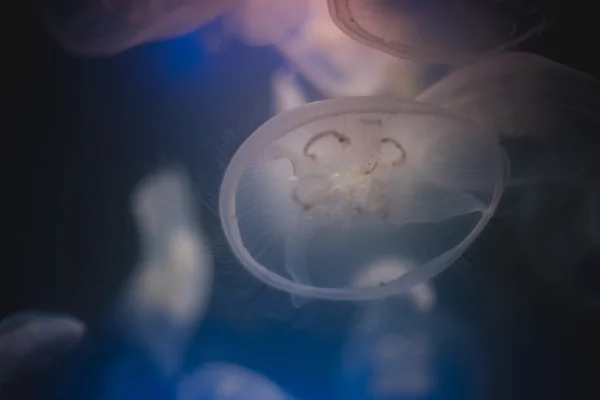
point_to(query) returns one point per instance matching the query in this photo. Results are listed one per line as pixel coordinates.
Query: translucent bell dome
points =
(359, 198)
(442, 30)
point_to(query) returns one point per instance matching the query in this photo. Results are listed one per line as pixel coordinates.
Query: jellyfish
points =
(287, 92)
(222, 381)
(394, 351)
(266, 22)
(546, 116)
(108, 27)
(314, 48)
(441, 30)
(421, 296)
(169, 291)
(317, 198)
(29, 339)
(528, 99)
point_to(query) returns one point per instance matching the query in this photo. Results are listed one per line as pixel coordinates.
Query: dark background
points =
(79, 134)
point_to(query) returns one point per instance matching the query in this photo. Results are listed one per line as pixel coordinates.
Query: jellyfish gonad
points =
(108, 27)
(324, 200)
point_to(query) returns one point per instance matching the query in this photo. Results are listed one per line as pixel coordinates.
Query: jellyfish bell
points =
(31, 339)
(169, 291)
(441, 30)
(250, 21)
(320, 194)
(108, 27)
(529, 101)
(303, 32)
(223, 381)
(395, 352)
(518, 94)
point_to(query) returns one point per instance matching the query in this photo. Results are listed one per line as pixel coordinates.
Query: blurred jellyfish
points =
(422, 296)
(319, 197)
(221, 381)
(266, 22)
(109, 27)
(169, 292)
(531, 100)
(395, 352)
(442, 30)
(519, 94)
(287, 92)
(30, 339)
(304, 33)
(548, 118)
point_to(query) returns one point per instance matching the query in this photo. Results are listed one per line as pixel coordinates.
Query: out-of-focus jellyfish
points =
(519, 94)
(314, 47)
(442, 30)
(222, 381)
(287, 93)
(108, 27)
(30, 339)
(547, 116)
(324, 200)
(266, 22)
(422, 296)
(395, 352)
(170, 290)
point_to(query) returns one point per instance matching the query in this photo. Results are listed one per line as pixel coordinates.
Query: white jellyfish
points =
(222, 381)
(108, 27)
(519, 94)
(422, 296)
(287, 92)
(442, 30)
(322, 194)
(32, 338)
(395, 352)
(303, 32)
(170, 290)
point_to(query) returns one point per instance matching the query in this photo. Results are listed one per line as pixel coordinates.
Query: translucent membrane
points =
(324, 200)
(169, 291)
(519, 94)
(525, 96)
(393, 352)
(30, 339)
(313, 46)
(108, 27)
(442, 30)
